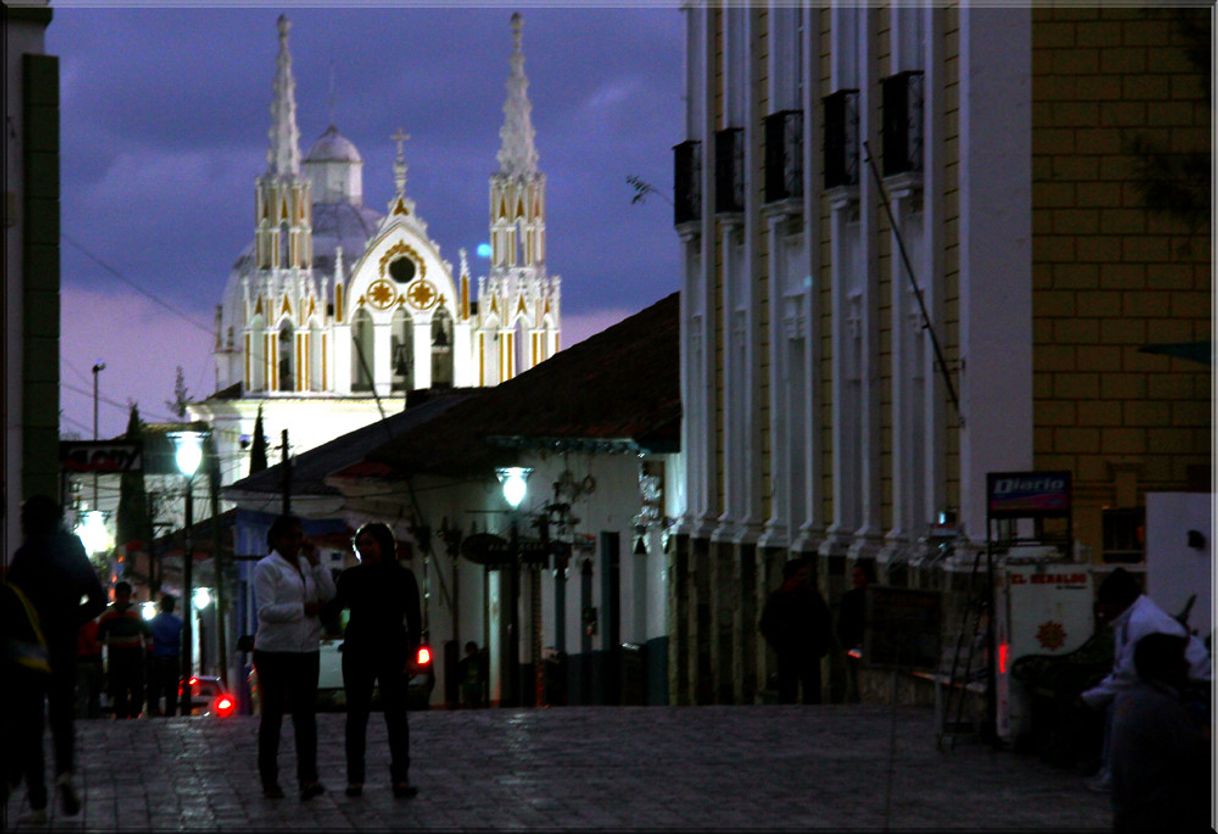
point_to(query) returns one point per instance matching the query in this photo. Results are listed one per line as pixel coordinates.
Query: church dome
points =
(332, 146)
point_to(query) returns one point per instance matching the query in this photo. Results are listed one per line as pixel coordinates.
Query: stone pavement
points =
(692, 768)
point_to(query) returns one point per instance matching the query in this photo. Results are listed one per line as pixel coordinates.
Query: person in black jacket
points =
(383, 631)
(796, 623)
(54, 573)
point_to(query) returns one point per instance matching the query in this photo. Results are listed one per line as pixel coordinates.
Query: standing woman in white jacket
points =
(290, 586)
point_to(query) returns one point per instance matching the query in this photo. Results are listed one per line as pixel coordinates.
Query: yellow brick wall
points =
(1109, 276)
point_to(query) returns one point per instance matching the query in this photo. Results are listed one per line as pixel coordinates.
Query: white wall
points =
(1175, 571)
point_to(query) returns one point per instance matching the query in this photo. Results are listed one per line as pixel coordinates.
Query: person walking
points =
(125, 635)
(383, 632)
(165, 669)
(290, 587)
(795, 621)
(53, 572)
(1132, 616)
(89, 671)
(1159, 753)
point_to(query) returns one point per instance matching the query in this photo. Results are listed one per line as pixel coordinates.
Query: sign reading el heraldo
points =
(902, 628)
(1027, 494)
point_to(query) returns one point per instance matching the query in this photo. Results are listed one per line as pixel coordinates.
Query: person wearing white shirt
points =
(290, 586)
(1133, 615)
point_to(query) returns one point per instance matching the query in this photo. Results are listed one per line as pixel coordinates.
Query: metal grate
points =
(784, 155)
(841, 138)
(902, 122)
(687, 181)
(729, 170)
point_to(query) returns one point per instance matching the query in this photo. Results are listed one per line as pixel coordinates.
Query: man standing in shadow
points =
(796, 623)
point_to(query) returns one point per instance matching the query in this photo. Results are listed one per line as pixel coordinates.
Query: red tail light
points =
(1004, 650)
(225, 706)
(423, 657)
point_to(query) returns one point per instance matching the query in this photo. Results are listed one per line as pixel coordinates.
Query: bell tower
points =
(518, 304)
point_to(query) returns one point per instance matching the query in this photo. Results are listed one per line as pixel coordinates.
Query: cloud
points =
(141, 345)
(579, 326)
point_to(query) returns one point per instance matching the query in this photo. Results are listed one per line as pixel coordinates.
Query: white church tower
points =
(518, 310)
(334, 313)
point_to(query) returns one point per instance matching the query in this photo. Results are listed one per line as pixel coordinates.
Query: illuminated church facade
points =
(333, 312)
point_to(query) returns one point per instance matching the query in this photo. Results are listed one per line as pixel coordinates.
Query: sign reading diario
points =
(1027, 494)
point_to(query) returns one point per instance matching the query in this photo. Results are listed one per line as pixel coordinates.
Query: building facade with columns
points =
(844, 384)
(334, 306)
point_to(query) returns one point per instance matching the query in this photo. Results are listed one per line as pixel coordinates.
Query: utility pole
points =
(287, 475)
(97, 369)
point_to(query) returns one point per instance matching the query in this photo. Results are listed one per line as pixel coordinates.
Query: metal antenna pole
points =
(926, 324)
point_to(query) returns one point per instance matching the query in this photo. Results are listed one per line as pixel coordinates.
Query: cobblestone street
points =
(692, 768)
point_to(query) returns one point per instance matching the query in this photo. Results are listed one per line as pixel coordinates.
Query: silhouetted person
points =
(290, 585)
(165, 665)
(1159, 754)
(125, 634)
(469, 672)
(851, 624)
(1132, 616)
(796, 622)
(89, 671)
(379, 646)
(55, 575)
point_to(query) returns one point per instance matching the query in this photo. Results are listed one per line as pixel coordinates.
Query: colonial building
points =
(29, 302)
(917, 251)
(333, 306)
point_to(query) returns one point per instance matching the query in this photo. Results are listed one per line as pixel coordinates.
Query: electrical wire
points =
(135, 286)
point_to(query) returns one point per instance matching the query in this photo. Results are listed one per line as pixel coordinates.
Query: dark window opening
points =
(402, 270)
(729, 170)
(841, 138)
(784, 155)
(902, 122)
(687, 182)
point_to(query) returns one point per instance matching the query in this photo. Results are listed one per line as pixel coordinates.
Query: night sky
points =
(164, 119)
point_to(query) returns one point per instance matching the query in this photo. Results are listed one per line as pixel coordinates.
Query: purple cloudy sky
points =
(164, 127)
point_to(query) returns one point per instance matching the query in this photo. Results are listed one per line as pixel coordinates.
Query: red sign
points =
(100, 457)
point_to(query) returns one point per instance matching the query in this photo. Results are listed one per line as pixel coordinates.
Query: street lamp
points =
(93, 533)
(188, 454)
(514, 480)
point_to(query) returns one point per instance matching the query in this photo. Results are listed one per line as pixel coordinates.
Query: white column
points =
(422, 354)
(382, 357)
(935, 414)
(995, 251)
(870, 531)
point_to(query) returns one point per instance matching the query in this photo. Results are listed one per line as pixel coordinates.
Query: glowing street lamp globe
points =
(515, 483)
(187, 451)
(93, 533)
(202, 597)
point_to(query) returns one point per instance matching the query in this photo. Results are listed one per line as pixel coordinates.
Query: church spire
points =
(283, 155)
(517, 154)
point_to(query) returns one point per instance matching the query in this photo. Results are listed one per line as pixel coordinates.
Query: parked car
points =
(330, 692)
(209, 697)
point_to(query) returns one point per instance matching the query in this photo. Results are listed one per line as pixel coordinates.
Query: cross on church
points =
(400, 136)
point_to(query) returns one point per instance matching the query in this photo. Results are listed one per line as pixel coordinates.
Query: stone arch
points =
(363, 358)
(401, 352)
(441, 348)
(285, 353)
(256, 360)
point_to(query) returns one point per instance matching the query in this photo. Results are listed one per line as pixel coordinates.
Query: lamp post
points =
(514, 480)
(188, 454)
(98, 367)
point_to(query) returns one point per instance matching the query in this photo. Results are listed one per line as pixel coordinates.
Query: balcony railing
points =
(841, 138)
(687, 182)
(902, 122)
(729, 170)
(784, 155)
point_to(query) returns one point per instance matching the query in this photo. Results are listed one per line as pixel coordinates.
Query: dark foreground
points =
(693, 768)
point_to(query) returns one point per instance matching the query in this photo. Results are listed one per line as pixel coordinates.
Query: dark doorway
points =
(611, 605)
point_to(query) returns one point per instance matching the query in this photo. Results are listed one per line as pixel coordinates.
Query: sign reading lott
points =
(1024, 494)
(102, 458)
